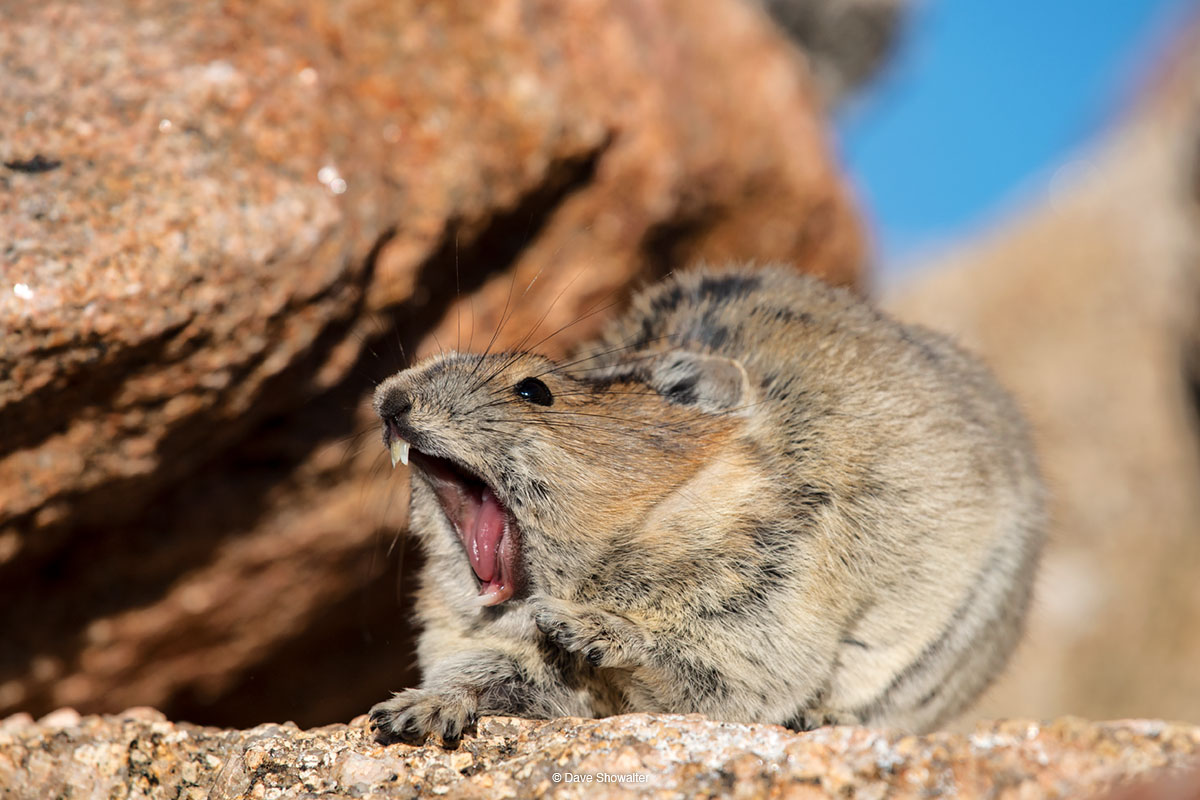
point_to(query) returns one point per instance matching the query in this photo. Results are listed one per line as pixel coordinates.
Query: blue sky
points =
(982, 101)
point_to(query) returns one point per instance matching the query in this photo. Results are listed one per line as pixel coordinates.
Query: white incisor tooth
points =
(399, 452)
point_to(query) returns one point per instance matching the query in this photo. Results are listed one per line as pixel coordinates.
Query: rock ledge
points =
(141, 754)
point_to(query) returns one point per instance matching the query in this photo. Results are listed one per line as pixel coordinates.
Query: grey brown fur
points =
(756, 497)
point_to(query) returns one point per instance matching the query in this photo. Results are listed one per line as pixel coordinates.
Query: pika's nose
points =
(395, 408)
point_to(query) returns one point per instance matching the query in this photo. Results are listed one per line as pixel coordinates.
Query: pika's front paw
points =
(603, 639)
(413, 714)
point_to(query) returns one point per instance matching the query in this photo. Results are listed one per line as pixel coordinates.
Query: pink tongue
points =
(485, 539)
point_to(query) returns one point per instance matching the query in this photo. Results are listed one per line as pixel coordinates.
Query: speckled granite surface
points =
(140, 754)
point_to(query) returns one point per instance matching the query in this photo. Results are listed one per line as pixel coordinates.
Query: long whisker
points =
(517, 350)
(504, 313)
(505, 316)
(457, 296)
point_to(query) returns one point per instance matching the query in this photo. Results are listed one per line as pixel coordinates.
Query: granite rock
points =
(224, 222)
(141, 754)
(846, 41)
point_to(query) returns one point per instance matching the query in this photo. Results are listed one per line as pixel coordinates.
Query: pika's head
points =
(540, 468)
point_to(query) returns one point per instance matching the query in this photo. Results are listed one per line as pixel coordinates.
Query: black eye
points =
(534, 391)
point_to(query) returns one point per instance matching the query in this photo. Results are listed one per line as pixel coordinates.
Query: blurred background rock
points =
(1087, 303)
(222, 224)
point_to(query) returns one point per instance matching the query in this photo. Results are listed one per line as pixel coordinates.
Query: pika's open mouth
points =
(485, 526)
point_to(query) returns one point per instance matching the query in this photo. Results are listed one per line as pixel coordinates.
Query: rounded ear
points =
(711, 383)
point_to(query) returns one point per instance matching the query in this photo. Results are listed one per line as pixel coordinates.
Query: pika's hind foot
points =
(413, 714)
(603, 639)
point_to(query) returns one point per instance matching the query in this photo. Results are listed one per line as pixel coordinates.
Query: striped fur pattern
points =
(756, 498)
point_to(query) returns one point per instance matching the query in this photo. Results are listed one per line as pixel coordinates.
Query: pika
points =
(755, 497)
